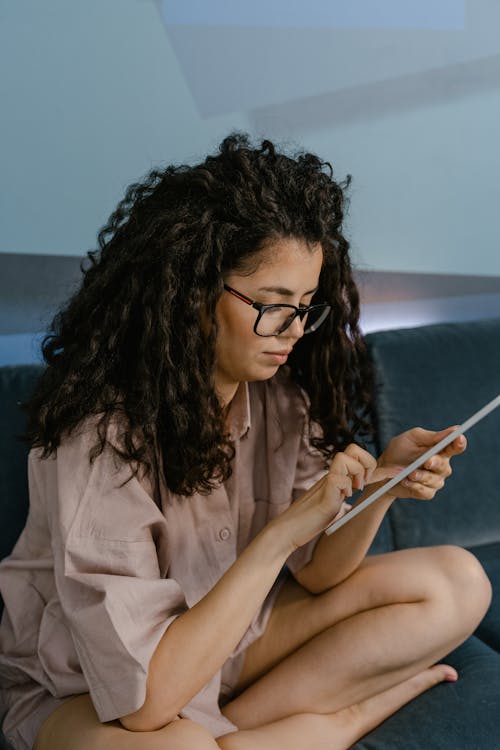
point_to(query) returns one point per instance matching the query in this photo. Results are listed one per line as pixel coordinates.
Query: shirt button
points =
(224, 534)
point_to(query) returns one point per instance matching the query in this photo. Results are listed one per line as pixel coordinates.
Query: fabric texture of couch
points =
(432, 376)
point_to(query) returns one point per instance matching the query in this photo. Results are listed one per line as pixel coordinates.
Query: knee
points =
(462, 583)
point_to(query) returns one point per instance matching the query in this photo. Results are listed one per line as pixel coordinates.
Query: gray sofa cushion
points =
(464, 715)
(16, 385)
(489, 629)
(434, 377)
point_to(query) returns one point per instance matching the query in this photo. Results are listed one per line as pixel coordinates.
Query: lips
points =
(278, 358)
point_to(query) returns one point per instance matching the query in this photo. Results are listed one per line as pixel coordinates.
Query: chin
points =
(265, 373)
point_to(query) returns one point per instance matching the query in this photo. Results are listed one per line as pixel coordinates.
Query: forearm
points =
(198, 642)
(338, 555)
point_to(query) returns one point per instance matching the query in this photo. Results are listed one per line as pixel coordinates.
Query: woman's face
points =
(288, 274)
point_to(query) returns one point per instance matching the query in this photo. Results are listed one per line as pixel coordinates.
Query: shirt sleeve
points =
(110, 567)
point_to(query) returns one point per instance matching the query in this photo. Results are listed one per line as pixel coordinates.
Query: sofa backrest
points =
(436, 376)
(16, 385)
(432, 376)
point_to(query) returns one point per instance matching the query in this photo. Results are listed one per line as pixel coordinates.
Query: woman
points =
(193, 435)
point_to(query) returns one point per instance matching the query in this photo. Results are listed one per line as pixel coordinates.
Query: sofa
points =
(432, 376)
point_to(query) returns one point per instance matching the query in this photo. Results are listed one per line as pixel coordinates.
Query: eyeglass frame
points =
(261, 308)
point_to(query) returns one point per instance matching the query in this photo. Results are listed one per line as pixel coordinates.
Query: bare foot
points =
(361, 718)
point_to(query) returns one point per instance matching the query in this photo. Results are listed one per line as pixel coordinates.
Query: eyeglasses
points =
(274, 319)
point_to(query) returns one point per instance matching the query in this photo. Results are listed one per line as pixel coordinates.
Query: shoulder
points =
(77, 447)
(93, 496)
(87, 455)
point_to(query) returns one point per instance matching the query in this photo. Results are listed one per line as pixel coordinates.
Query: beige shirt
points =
(101, 569)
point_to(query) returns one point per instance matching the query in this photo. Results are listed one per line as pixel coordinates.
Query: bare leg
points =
(329, 667)
(393, 618)
(75, 726)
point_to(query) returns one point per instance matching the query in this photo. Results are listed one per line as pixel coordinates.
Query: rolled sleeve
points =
(111, 561)
(116, 622)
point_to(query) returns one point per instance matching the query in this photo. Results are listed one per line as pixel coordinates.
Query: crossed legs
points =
(332, 666)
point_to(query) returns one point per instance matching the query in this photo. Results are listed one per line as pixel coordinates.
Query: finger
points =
(441, 460)
(455, 448)
(430, 478)
(438, 464)
(384, 472)
(420, 491)
(364, 458)
(347, 465)
(428, 438)
(369, 463)
(339, 483)
(373, 473)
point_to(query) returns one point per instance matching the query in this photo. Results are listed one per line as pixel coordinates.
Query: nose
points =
(296, 328)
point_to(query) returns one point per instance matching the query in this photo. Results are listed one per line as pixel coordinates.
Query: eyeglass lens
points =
(276, 319)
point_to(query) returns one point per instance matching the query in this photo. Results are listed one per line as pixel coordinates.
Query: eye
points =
(276, 310)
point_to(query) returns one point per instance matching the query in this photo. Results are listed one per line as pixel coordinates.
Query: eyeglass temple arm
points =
(240, 296)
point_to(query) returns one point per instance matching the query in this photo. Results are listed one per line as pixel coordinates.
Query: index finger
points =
(372, 471)
(365, 459)
(347, 463)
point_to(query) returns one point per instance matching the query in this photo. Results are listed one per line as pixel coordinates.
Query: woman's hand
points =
(423, 483)
(350, 470)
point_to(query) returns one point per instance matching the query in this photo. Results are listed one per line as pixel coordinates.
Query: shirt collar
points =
(238, 418)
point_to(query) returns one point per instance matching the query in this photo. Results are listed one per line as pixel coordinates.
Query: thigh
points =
(297, 616)
(75, 726)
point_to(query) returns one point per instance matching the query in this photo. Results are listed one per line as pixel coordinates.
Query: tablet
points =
(418, 462)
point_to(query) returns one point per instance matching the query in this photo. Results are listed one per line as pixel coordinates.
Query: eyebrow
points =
(283, 291)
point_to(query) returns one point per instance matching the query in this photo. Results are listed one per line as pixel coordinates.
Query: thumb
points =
(428, 438)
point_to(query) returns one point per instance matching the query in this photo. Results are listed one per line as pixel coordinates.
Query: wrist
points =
(385, 500)
(276, 542)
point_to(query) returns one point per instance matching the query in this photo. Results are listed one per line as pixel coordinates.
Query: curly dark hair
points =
(137, 340)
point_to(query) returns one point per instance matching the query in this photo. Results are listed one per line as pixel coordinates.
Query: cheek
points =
(235, 329)
(238, 340)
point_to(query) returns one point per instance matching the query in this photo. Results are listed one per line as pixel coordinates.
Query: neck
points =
(226, 393)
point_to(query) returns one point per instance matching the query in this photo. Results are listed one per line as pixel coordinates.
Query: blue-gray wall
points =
(404, 96)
